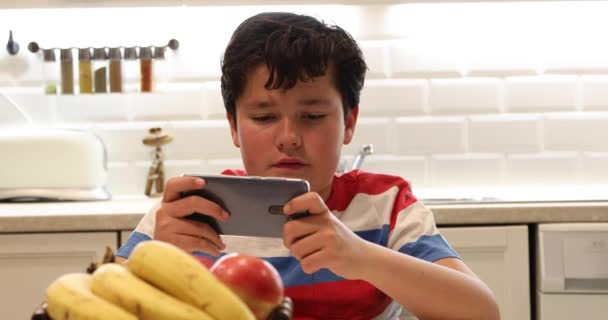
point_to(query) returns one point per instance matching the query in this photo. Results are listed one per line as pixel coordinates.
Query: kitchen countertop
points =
(124, 214)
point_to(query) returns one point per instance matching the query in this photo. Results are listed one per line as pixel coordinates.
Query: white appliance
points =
(52, 164)
(572, 271)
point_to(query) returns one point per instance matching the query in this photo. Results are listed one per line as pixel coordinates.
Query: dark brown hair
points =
(293, 47)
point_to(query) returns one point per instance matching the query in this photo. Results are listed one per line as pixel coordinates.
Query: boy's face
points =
(295, 133)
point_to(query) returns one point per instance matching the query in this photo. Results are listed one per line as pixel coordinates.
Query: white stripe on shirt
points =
(412, 222)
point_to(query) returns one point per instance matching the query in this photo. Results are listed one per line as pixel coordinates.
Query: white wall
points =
(469, 95)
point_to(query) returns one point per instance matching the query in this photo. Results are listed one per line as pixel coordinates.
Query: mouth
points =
(290, 163)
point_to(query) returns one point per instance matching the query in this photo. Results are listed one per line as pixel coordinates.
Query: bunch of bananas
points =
(159, 281)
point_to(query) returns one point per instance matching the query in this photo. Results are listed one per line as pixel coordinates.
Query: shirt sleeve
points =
(413, 230)
(143, 232)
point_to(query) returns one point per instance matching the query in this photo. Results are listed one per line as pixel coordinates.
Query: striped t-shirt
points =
(378, 208)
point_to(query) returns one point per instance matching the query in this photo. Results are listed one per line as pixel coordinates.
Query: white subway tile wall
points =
(392, 97)
(87, 108)
(423, 58)
(40, 108)
(595, 92)
(446, 103)
(123, 140)
(205, 139)
(376, 131)
(123, 179)
(499, 58)
(505, 133)
(467, 170)
(375, 53)
(429, 135)
(546, 168)
(594, 167)
(183, 103)
(541, 93)
(583, 131)
(413, 168)
(213, 104)
(464, 96)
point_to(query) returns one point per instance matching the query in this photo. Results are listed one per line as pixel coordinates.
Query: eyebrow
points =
(258, 105)
(314, 102)
(303, 102)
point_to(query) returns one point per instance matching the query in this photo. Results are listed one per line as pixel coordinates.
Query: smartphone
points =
(255, 204)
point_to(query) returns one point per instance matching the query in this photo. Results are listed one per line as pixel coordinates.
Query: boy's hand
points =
(321, 240)
(172, 227)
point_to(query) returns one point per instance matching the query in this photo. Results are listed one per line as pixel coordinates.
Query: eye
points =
(263, 118)
(313, 116)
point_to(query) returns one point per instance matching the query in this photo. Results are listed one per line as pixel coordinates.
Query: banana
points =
(70, 297)
(181, 275)
(114, 283)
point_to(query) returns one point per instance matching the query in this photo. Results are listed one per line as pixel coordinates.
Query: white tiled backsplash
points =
(457, 95)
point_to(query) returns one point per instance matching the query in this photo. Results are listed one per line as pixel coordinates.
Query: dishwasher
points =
(572, 271)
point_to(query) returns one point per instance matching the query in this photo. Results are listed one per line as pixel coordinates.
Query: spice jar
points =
(115, 70)
(67, 71)
(145, 60)
(161, 72)
(131, 72)
(100, 70)
(85, 80)
(50, 71)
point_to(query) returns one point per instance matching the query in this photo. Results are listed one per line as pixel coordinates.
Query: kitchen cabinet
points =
(499, 256)
(124, 236)
(30, 262)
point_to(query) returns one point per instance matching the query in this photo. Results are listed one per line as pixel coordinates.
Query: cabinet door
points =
(499, 256)
(30, 262)
(124, 236)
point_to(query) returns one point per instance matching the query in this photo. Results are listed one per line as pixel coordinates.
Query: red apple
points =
(207, 262)
(253, 279)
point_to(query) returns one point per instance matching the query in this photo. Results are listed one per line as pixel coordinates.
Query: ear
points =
(350, 124)
(233, 132)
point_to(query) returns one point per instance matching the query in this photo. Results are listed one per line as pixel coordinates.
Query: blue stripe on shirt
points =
(429, 248)
(136, 237)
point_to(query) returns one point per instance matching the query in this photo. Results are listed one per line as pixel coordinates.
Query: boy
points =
(291, 89)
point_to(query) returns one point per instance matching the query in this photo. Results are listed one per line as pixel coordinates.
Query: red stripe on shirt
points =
(334, 300)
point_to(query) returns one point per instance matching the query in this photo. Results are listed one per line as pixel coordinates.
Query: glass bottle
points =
(131, 72)
(161, 72)
(100, 71)
(115, 70)
(50, 71)
(145, 60)
(67, 71)
(85, 79)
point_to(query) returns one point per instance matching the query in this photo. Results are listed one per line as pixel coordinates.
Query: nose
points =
(288, 137)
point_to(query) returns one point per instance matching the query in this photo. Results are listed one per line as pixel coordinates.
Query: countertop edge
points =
(31, 218)
(521, 213)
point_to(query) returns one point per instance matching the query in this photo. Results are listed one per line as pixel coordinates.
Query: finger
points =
(203, 245)
(310, 201)
(191, 244)
(186, 206)
(313, 262)
(197, 229)
(176, 185)
(306, 246)
(296, 229)
(167, 229)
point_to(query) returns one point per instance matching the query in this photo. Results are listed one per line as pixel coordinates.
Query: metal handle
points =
(11, 46)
